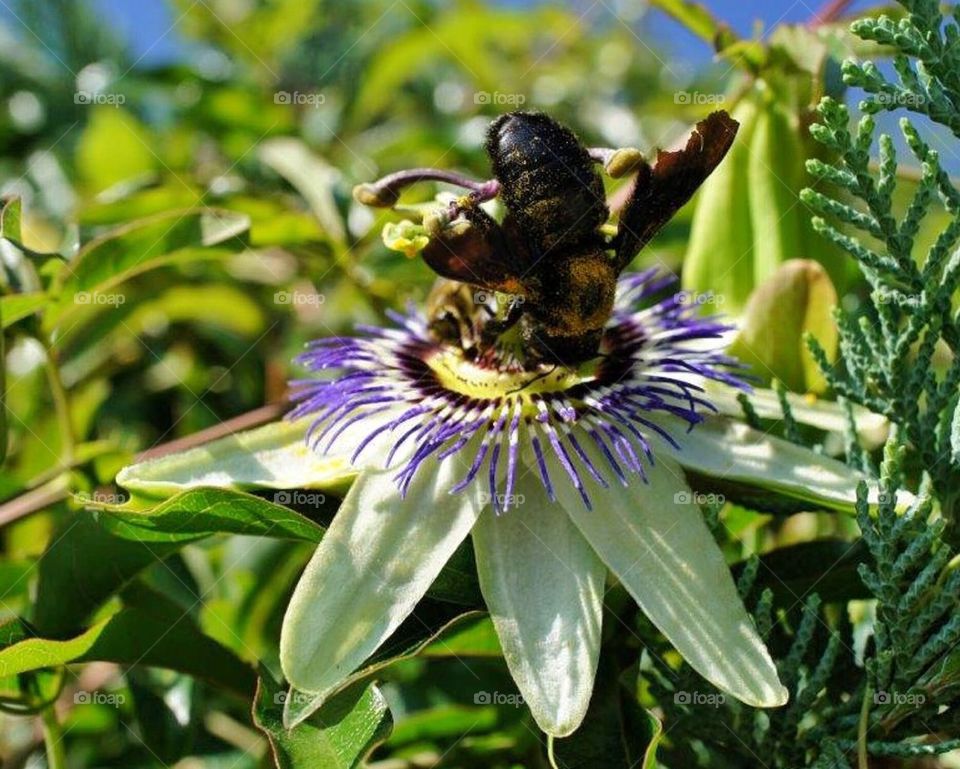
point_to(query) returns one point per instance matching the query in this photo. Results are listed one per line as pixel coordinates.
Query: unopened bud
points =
(797, 299)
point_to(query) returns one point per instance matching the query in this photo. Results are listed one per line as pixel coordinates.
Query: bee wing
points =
(661, 190)
(475, 252)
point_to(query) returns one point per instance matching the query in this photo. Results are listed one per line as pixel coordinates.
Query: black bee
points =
(549, 255)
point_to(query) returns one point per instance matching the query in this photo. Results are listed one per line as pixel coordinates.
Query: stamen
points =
(400, 379)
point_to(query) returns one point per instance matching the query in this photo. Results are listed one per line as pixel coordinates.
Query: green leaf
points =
(469, 635)
(719, 258)
(16, 307)
(457, 582)
(135, 637)
(616, 734)
(93, 278)
(775, 175)
(828, 567)
(224, 306)
(486, 37)
(13, 631)
(114, 147)
(446, 721)
(274, 456)
(204, 511)
(11, 218)
(340, 734)
(433, 630)
(82, 567)
(312, 176)
(698, 19)
(179, 194)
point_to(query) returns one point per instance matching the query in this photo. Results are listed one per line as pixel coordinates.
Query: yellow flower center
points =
(460, 375)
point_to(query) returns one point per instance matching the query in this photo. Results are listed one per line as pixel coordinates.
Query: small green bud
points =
(797, 299)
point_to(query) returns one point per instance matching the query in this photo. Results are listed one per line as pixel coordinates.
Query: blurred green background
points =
(184, 170)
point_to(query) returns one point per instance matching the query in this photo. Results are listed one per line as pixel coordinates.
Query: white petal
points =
(273, 456)
(374, 564)
(543, 585)
(809, 410)
(728, 450)
(655, 541)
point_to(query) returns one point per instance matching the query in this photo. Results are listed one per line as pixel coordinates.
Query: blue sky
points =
(149, 25)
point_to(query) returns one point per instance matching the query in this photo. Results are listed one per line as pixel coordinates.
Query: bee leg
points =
(617, 162)
(385, 192)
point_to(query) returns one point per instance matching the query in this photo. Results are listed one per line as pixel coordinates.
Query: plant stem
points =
(862, 760)
(53, 739)
(58, 487)
(550, 756)
(61, 403)
(830, 12)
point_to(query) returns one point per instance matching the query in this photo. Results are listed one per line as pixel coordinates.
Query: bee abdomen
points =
(548, 181)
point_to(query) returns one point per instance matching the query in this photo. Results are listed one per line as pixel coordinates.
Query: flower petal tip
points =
(298, 706)
(561, 728)
(772, 697)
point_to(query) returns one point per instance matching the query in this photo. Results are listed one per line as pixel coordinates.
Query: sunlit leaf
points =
(114, 147)
(93, 278)
(311, 175)
(698, 19)
(16, 307)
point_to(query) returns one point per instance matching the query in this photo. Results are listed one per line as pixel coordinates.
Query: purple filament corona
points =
(385, 386)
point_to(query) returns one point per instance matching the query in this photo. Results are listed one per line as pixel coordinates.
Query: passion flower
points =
(561, 475)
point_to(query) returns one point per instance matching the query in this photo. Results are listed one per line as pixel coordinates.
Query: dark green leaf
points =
(82, 567)
(134, 637)
(617, 732)
(203, 511)
(827, 567)
(340, 734)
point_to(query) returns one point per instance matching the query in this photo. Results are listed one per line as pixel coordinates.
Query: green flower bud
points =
(797, 298)
(775, 177)
(719, 256)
